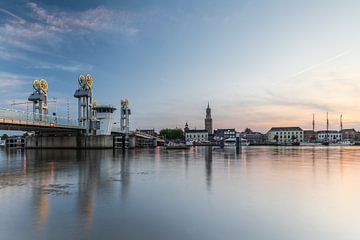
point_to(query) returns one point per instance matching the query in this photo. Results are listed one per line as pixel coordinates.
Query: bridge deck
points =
(30, 125)
(23, 121)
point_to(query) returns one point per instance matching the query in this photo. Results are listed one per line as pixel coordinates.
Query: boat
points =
(232, 142)
(325, 143)
(343, 143)
(310, 144)
(175, 146)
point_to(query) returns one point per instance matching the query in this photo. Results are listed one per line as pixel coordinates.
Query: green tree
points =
(172, 134)
(276, 138)
(4, 137)
(293, 138)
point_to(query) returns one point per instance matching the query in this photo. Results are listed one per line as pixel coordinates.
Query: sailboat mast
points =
(313, 129)
(341, 123)
(327, 125)
(313, 123)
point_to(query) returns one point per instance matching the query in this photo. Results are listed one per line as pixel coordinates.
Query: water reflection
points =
(109, 194)
(208, 166)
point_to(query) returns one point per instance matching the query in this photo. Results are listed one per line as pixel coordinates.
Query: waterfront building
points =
(195, 135)
(224, 133)
(254, 138)
(349, 134)
(198, 136)
(208, 120)
(285, 135)
(329, 136)
(310, 136)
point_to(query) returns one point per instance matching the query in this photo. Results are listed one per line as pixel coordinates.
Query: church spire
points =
(208, 120)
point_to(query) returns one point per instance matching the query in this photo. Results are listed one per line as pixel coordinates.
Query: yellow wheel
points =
(36, 84)
(44, 85)
(81, 80)
(89, 80)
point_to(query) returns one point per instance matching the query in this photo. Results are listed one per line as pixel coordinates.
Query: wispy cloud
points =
(68, 68)
(97, 19)
(50, 26)
(12, 80)
(7, 54)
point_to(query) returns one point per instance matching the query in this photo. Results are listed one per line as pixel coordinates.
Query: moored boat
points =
(232, 142)
(175, 146)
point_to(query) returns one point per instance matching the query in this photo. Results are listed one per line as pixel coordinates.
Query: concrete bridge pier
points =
(68, 142)
(132, 141)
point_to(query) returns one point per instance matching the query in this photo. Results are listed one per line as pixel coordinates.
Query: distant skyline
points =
(259, 63)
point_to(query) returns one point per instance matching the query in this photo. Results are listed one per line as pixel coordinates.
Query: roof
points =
(348, 129)
(330, 131)
(224, 129)
(309, 131)
(196, 131)
(104, 107)
(285, 129)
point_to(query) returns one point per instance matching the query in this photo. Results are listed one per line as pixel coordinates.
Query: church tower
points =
(208, 120)
(186, 127)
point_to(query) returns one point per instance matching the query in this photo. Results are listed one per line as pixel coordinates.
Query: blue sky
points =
(259, 63)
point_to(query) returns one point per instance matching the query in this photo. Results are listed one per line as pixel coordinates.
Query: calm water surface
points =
(201, 193)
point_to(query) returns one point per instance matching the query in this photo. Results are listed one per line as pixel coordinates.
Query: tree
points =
(276, 138)
(25, 135)
(172, 134)
(248, 131)
(4, 137)
(293, 138)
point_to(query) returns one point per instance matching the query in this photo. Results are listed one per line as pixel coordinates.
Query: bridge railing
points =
(12, 114)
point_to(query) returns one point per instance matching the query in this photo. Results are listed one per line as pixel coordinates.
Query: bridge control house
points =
(104, 113)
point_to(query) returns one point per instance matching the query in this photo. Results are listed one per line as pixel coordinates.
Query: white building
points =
(104, 113)
(330, 136)
(285, 135)
(197, 136)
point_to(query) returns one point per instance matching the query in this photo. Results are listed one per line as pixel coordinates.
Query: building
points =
(104, 113)
(197, 136)
(310, 136)
(285, 135)
(150, 132)
(254, 138)
(208, 120)
(349, 134)
(224, 133)
(330, 136)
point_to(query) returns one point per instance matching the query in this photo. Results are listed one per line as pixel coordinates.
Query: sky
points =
(258, 63)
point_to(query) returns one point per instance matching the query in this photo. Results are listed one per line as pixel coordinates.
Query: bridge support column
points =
(132, 141)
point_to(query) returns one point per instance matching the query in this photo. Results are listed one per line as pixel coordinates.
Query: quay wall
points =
(70, 142)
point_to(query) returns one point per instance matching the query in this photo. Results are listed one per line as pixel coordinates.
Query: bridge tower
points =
(84, 95)
(39, 99)
(125, 116)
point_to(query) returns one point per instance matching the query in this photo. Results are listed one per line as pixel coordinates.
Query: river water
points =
(201, 193)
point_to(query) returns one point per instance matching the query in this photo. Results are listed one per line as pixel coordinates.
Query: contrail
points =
(21, 20)
(320, 64)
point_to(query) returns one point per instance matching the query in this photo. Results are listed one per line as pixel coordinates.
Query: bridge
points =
(92, 120)
(18, 120)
